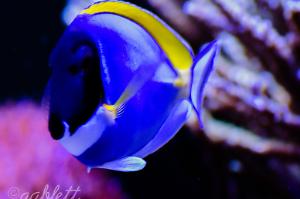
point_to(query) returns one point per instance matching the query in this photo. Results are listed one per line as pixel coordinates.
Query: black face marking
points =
(78, 92)
(56, 127)
(92, 95)
(74, 70)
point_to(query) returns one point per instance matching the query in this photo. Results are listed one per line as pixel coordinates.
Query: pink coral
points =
(31, 160)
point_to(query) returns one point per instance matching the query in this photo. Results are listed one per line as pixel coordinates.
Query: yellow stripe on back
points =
(177, 52)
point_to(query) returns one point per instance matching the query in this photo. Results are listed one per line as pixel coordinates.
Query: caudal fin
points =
(201, 69)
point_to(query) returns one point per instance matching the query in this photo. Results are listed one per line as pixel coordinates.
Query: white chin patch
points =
(86, 135)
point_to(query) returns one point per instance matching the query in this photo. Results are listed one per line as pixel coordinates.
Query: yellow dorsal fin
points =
(177, 51)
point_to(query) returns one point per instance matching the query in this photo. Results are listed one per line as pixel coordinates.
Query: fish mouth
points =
(56, 126)
(82, 108)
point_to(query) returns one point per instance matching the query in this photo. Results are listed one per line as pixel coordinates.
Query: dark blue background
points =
(29, 32)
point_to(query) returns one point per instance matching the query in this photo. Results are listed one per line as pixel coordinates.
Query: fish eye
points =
(87, 64)
(84, 67)
(84, 59)
(73, 69)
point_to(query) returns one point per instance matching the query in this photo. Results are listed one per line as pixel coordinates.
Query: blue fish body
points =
(118, 92)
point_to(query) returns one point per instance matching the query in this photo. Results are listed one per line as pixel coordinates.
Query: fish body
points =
(123, 83)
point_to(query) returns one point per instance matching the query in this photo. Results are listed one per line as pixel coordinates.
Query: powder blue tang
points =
(123, 83)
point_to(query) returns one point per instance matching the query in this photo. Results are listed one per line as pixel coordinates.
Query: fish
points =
(122, 84)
